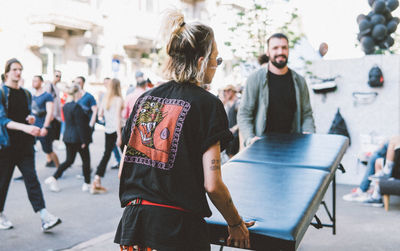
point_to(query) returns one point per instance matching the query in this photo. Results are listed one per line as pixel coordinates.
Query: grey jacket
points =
(252, 114)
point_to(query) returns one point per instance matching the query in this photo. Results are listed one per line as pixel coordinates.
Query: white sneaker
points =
(85, 187)
(356, 195)
(49, 221)
(52, 183)
(4, 222)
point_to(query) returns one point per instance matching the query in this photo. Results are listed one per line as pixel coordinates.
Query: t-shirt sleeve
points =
(216, 128)
(49, 98)
(92, 101)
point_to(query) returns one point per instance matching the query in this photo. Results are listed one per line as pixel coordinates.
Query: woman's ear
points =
(200, 62)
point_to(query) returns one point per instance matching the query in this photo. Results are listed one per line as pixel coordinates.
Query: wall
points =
(381, 117)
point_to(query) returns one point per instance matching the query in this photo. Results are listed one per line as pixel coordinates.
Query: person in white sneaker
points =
(77, 137)
(360, 194)
(15, 110)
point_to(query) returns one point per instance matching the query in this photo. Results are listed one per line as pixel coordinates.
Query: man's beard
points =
(279, 65)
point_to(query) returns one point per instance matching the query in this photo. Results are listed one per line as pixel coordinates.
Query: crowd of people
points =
(171, 137)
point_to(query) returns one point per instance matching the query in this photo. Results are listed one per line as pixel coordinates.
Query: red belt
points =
(138, 201)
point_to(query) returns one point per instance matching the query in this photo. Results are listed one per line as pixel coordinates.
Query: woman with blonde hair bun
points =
(172, 143)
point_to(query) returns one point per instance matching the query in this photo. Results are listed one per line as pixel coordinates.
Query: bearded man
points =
(276, 98)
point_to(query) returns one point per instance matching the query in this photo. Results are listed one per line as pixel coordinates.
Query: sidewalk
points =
(359, 227)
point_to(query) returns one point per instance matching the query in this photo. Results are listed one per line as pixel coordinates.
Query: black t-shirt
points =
(282, 103)
(18, 111)
(170, 128)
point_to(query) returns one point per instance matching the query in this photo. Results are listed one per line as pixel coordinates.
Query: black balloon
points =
(379, 32)
(377, 19)
(365, 27)
(361, 17)
(391, 26)
(371, 2)
(379, 7)
(396, 19)
(367, 43)
(392, 4)
(389, 41)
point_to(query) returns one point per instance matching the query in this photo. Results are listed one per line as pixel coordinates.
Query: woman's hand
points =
(239, 235)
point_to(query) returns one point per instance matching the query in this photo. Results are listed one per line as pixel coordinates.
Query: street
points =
(85, 216)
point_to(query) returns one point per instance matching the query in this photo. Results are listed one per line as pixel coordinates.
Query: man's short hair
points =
(82, 78)
(278, 35)
(107, 78)
(39, 77)
(262, 59)
(3, 77)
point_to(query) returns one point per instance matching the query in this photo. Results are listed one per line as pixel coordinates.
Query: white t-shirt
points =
(110, 115)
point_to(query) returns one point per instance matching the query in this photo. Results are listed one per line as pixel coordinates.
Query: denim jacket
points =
(252, 114)
(4, 120)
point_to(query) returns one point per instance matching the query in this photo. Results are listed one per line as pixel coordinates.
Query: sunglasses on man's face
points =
(58, 76)
(219, 60)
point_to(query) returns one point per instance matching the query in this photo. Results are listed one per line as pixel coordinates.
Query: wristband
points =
(236, 225)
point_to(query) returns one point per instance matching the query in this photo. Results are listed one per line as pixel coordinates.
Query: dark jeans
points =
(72, 149)
(26, 164)
(110, 144)
(380, 153)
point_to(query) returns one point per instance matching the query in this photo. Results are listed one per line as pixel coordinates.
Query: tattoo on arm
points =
(229, 201)
(215, 164)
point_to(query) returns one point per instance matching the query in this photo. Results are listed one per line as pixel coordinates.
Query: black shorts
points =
(162, 229)
(47, 143)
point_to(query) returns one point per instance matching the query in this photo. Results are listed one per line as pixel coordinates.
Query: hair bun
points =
(172, 21)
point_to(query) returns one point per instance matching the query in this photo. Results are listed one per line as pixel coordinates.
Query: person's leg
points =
(47, 145)
(72, 149)
(85, 156)
(6, 171)
(26, 164)
(101, 168)
(117, 155)
(365, 182)
(109, 145)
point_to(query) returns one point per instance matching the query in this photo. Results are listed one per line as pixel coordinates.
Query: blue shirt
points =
(86, 102)
(39, 107)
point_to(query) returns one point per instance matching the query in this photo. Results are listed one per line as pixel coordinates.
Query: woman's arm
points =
(119, 119)
(221, 198)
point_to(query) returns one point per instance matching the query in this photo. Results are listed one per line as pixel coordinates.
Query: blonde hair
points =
(186, 44)
(114, 90)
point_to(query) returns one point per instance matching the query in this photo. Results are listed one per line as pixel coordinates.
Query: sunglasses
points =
(58, 76)
(219, 60)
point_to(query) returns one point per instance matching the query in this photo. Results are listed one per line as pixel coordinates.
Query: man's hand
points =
(32, 130)
(30, 119)
(43, 132)
(254, 139)
(239, 235)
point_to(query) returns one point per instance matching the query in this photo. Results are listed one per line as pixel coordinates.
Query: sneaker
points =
(115, 166)
(379, 176)
(49, 221)
(85, 187)
(373, 202)
(4, 222)
(52, 183)
(50, 164)
(356, 195)
(97, 188)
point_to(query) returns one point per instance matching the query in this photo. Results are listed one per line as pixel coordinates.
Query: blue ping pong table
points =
(280, 182)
